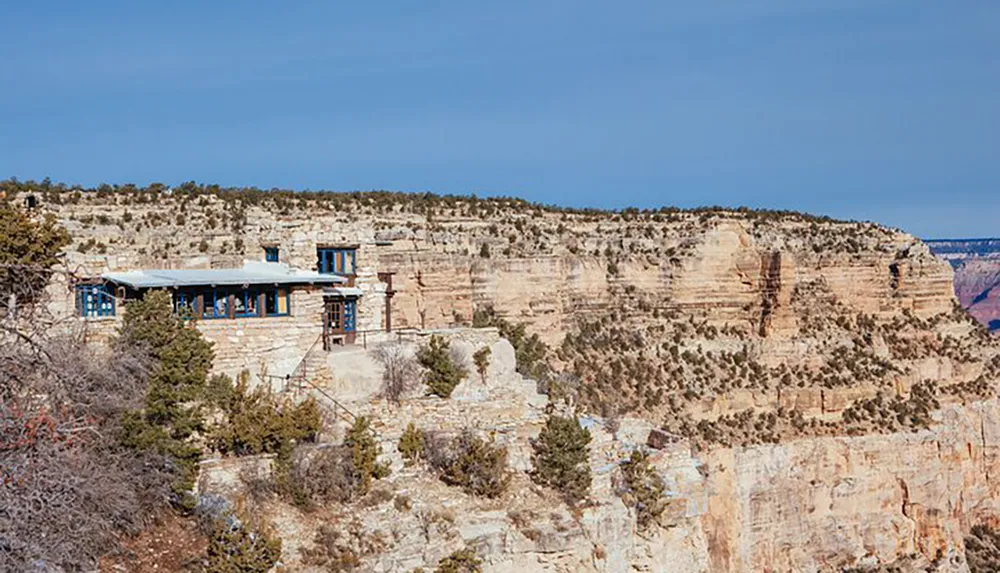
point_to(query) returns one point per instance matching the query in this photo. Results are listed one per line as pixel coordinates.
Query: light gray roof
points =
(252, 273)
(343, 291)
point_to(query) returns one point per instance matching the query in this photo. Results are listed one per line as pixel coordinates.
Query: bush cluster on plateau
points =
(311, 476)
(476, 465)
(237, 544)
(257, 422)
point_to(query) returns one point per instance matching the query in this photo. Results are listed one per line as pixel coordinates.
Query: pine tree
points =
(561, 458)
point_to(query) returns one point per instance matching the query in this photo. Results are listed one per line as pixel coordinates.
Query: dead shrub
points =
(342, 549)
(400, 370)
(68, 490)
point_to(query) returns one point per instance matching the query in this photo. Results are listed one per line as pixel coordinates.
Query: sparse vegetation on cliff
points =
(441, 373)
(476, 465)
(982, 549)
(461, 561)
(561, 458)
(642, 489)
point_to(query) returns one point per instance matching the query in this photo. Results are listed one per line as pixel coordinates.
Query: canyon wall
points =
(830, 404)
(810, 505)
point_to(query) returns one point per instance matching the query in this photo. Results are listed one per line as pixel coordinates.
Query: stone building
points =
(266, 315)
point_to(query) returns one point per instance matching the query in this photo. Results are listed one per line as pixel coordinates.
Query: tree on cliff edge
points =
(28, 251)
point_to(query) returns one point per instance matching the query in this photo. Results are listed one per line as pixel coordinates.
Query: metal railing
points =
(299, 378)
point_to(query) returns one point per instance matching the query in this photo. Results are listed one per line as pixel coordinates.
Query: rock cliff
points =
(828, 403)
(819, 504)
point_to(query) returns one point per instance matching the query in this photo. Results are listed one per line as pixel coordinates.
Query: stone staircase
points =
(310, 378)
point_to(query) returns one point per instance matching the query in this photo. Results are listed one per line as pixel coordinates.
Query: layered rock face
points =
(829, 405)
(546, 267)
(821, 504)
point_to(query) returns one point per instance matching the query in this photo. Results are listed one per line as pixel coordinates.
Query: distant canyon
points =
(976, 263)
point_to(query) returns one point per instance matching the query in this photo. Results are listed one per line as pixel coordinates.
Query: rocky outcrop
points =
(805, 505)
(784, 348)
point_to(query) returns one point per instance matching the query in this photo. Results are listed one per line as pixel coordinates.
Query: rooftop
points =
(252, 273)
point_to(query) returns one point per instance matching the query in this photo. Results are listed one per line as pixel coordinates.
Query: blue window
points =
(271, 254)
(94, 300)
(276, 302)
(350, 315)
(245, 303)
(216, 304)
(339, 261)
(184, 303)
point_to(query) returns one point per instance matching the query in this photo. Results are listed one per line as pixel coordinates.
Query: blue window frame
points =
(338, 261)
(350, 315)
(271, 254)
(94, 300)
(216, 302)
(245, 303)
(276, 302)
(184, 303)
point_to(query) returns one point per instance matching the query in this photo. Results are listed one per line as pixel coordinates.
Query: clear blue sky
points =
(869, 109)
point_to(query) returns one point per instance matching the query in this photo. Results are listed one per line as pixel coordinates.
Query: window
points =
(340, 261)
(245, 303)
(216, 303)
(94, 300)
(271, 254)
(333, 317)
(184, 303)
(276, 302)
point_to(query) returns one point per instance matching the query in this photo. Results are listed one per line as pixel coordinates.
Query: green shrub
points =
(171, 413)
(643, 489)
(307, 477)
(28, 251)
(529, 351)
(311, 477)
(481, 358)
(561, 458)
(360, 441)
(442, 374)
(411, 444)
(237, 545)
(461, 561)
(477, 466)
(258, 422)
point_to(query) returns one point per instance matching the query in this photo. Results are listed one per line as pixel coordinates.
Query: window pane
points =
(282, 301)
